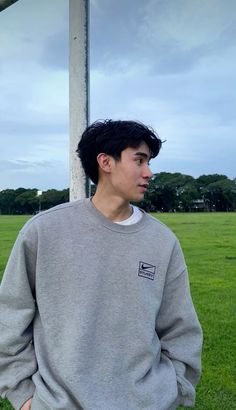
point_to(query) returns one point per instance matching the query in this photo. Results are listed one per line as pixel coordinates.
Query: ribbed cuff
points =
(23, 392)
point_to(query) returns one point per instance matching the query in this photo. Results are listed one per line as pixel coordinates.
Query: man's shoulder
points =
(54, 216)
(159, 229)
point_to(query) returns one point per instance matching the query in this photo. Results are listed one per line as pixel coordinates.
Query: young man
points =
(96, 312)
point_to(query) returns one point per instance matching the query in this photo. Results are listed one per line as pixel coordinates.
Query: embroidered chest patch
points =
(146, 270)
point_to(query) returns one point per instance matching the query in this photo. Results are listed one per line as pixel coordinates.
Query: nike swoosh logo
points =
(144, 267)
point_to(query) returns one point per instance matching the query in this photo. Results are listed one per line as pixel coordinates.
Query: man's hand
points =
(27, 405)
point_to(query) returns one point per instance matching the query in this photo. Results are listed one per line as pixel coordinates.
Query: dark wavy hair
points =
(112, 137)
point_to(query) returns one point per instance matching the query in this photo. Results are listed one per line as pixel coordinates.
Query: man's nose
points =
(148, 173)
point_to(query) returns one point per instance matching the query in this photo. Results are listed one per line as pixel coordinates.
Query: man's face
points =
(131, 174)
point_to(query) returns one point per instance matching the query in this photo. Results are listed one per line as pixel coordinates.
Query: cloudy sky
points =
(168, 63)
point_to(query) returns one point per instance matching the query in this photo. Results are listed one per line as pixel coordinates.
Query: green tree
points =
(27, 201)
(205, 180)
(172, 191)
(53, 197)
(7, 201)
(187, 194)
(221, 195)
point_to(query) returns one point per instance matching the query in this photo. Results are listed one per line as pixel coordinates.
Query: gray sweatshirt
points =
(97, 316)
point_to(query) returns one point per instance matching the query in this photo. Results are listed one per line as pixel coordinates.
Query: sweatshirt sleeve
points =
(179, 330)
(17, 308)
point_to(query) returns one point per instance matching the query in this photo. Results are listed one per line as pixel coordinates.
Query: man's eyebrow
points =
(142, 154)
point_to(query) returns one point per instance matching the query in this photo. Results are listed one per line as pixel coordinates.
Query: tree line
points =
(167, 192)
(27, 201)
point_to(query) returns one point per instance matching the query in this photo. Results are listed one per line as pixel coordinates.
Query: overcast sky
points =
(168, 63)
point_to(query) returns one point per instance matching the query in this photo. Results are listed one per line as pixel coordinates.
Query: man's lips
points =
(144, 186)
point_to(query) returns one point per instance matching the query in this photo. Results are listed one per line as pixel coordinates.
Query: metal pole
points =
(6, 3)
(78, 92)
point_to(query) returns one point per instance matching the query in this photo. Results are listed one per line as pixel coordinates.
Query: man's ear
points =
(104, 162)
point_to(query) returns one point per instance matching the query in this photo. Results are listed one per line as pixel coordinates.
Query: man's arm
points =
(17, 308)
(179, 330)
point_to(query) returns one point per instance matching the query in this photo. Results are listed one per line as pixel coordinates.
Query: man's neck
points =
(111, 206)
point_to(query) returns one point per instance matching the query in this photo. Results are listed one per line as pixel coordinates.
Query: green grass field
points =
(209, 244)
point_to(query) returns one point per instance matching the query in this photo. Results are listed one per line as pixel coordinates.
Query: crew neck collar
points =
(109, 224)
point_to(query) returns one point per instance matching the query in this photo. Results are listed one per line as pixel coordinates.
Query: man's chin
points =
(137, 198)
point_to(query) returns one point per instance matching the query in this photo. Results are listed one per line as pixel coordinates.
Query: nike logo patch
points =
(146, 270)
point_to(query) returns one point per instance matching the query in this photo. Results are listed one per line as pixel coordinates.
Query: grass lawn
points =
(209, 244)
(9, 228)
